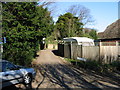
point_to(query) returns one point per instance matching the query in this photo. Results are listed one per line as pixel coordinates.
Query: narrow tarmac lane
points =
(55, 72)
(48, 57)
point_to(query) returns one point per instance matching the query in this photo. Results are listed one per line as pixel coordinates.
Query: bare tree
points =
(51, 6)
(82, 13)
(46, 2)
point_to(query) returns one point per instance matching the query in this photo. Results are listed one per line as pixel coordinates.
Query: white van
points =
(84, 41)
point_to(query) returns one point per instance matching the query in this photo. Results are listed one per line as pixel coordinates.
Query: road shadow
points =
(12, 87)
(56, 52)
(64, 76)
(16, 87)
(69, 77)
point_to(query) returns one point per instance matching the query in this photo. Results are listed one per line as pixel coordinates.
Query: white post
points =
(117, 44)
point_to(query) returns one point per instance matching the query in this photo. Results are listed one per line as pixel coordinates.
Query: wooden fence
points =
(91, 52)
(61, 49)
(108, 53)
(119, 52)
(103, 54)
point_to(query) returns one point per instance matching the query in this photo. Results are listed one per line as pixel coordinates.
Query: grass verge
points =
(95, 65)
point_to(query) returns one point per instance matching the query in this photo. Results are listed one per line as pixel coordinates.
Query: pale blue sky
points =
(104, 13)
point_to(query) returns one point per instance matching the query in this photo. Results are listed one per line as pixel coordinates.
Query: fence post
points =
(81, 51)
(64, 49)
(71, 50)
(100, 51)
(117, 44)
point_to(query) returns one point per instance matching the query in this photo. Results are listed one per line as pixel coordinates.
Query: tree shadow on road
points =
(56, 52)
(64, 76)
(69, 77)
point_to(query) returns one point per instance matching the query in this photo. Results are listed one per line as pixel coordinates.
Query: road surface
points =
(55, 72)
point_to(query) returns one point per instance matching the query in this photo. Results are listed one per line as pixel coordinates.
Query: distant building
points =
(111, 36)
